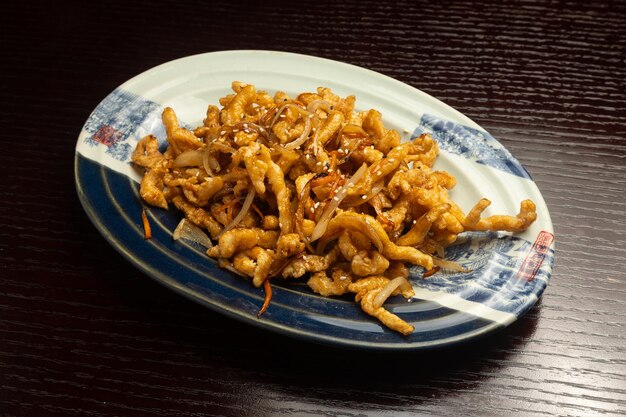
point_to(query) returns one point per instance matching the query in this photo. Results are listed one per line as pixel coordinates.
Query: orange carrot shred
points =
(258, 211)
(268, 297)
(147, 230)
(431, 272)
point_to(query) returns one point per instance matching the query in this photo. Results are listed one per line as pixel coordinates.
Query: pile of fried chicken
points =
(306, 186)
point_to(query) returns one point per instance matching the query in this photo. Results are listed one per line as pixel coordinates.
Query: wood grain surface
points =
(83, 333)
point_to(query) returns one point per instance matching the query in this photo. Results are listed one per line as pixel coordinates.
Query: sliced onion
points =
(450, 265)
(242, 213)
(303, 137)
(280, 110)
(342, 192)
(358, 200)
(391, 286)
(222, 147)
(354, 130)
(210, 164)
(316, 104)
(189, 158)
(186, 230)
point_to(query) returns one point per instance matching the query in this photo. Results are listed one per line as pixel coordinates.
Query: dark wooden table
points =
(82, 332)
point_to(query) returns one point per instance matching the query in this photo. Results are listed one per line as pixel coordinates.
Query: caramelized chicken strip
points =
(387, 318)
(256, 263)
(179, 139)
(310, 263)
(422, 226)
(364, 263)
(236, 240)
(235, 110)
(200, 194)
(372, 229)
(147, 154)
(151, 188)
(289, 245)
(323, 285)
(198, 216)
(524, 218)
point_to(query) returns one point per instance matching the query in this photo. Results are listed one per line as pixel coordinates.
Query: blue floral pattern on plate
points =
(470, 143)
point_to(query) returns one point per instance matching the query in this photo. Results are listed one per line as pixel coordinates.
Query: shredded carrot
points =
(333, 159)
(147, 230)
(431, 272)
(227, 205)
(257, 210)
(335, 186)
(323, 180)
(382, 218)
(268, 297)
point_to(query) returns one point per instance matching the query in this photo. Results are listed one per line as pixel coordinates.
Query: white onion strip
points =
(358, 200)
(186, 230)
(242, 213)
(280, 110)
(303, 137)
(342, 192)
(206, 163)
(388, 289)
(189, 158)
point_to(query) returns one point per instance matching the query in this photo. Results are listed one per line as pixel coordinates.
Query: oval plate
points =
(509, 272)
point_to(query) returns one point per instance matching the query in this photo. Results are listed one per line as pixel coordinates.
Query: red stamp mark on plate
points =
(535, 256)
(107, 136)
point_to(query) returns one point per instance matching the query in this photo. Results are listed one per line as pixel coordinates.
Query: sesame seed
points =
(414, 221)
(281, 116)
(336, 198)
(312, 210)
(316, 205)
(223, 132)
(364, 197)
